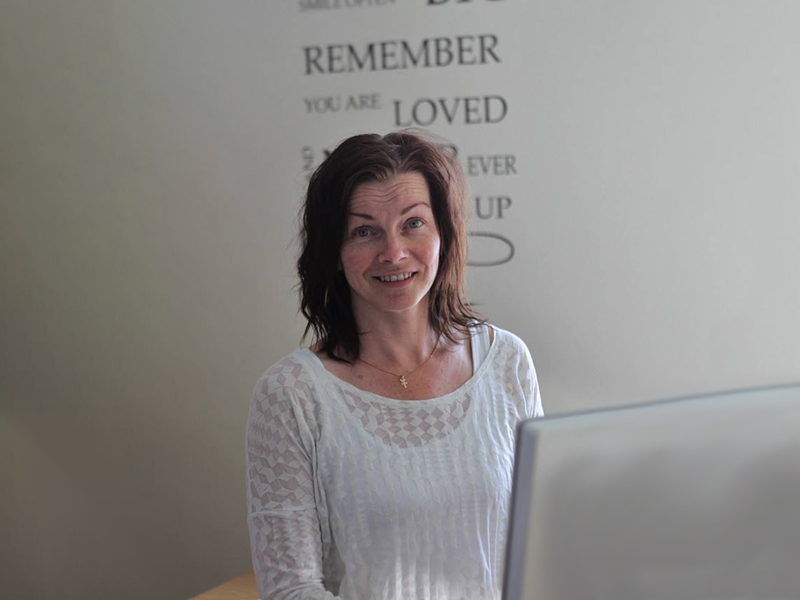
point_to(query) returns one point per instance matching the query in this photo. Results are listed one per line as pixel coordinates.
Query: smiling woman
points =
(367, 172)
(379, 459)
(390, 253)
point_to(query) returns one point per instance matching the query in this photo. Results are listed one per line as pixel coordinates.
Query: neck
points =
(401, 340)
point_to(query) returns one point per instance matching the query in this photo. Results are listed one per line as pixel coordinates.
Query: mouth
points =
(396, 277)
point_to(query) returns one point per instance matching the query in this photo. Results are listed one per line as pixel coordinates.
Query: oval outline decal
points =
(492, 263)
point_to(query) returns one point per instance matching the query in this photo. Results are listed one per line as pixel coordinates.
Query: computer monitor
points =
(689, 499)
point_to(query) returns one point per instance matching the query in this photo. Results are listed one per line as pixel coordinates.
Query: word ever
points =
(492, 164)
(332, 4)
(491, 206)
(399, 54)
(335, 103)
(469, 110)
(489, 249)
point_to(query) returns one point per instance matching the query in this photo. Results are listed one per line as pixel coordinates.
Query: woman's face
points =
(390, 252)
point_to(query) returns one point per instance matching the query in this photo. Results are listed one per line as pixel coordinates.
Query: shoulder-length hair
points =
(324, 291)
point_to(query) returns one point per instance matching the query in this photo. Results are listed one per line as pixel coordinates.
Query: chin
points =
(395, 305)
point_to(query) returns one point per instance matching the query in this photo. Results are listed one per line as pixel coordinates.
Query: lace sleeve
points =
(284, 526)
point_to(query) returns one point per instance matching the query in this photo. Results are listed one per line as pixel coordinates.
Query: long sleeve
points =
(530, 383)
(285, 532)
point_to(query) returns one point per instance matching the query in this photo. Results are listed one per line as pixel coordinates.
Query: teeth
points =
(400, 277)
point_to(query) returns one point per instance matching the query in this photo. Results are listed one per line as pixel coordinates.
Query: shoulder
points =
(286, 385)
(284, 372)
(511, 353)
(515, 364)
(283, 407)
(509, 342)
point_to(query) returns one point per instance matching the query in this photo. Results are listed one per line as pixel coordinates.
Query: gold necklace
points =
(401, 377)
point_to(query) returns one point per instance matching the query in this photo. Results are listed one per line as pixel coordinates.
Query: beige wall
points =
(140, 280)
(146, 254)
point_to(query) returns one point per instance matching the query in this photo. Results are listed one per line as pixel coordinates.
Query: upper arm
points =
(530, 383)
(282, 516)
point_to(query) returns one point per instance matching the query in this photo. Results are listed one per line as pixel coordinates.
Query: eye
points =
(415, 223)
(361, 232)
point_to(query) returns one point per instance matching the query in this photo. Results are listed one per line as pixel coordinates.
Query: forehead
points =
(395, 192)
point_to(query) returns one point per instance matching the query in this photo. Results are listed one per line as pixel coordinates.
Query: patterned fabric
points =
(407, 425)
(362, 497)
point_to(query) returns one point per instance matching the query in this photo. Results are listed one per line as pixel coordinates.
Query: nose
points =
(394, 249)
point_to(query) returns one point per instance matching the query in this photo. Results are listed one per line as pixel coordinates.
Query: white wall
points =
(150, 173)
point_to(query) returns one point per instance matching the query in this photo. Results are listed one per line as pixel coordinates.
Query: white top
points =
(364, 497)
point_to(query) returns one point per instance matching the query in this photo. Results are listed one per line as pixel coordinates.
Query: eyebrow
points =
(402, 212)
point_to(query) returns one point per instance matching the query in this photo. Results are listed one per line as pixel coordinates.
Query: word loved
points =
(469, 110)
(400, 54)
(491, 206)
(491, 164)
(333, 4)
(323, 104)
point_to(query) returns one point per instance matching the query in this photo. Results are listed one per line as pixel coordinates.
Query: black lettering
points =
(335, 59)
(367, 59)
(465, 48)
(323, 104)
(440, 2)
(415, 113)
(471, 167)
(503, 202)
(494, 206)
(470, 110)
(415, 60)
(492, 164)
(510, 168)
(313, 4)
(390, 55)
(397, 120)
(481, 214)
(387, 53)
(443, 50)
(313, 54)
(503, 108)
(362, 101)
(471, 107)
(447, 114)
(487, 44)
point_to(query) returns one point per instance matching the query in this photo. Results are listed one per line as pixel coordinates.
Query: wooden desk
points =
(242, 587)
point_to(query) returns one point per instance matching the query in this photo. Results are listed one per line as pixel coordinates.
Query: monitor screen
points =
(689, 499)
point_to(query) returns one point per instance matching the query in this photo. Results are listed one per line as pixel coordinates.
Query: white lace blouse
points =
(362, 497)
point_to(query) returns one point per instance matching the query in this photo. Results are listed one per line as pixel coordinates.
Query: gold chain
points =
(400, 377)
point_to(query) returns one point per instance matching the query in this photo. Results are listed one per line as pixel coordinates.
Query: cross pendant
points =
(404, 382)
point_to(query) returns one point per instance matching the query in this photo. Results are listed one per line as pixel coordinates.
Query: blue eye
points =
(415, 223)
(361, 232)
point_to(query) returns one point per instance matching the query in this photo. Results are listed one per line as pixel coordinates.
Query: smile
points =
(399, 277)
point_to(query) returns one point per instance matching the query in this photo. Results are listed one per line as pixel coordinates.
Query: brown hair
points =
(324, 291)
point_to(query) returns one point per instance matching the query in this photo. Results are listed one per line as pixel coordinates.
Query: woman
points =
(379, 461)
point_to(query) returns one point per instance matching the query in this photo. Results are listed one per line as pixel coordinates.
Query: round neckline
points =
(463, 388)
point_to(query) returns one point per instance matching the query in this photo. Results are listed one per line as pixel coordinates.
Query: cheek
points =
(434, 250)
(353, 262)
